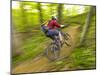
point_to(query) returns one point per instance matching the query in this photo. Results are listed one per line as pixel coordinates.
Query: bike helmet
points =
(54, 18)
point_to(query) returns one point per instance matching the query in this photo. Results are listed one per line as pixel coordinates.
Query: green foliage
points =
(78, 19)
(27, 15)
(26, 19)
(83, 58)
(31, 48)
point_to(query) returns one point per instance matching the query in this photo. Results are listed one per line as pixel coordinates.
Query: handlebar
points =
(63, 26)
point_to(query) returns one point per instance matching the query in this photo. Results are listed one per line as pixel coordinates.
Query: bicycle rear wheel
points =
(52, 52)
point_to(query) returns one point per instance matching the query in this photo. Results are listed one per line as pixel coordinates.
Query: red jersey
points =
(53, 24)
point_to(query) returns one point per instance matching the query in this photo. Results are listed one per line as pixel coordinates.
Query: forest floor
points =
(42, 64)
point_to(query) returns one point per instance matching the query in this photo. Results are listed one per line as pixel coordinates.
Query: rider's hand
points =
(62, 25)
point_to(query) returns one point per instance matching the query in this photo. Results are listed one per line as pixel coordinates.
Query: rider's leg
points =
(60, 36)
(44, 29)
(51, 37)
(53, 33)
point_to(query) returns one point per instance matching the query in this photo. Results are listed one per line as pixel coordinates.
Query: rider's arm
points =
(56, 24)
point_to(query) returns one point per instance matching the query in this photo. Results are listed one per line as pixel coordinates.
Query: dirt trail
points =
(41, 65)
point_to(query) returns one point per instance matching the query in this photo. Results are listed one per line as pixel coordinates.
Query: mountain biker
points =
(52, 28)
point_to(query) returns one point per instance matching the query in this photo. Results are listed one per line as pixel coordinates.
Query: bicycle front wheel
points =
(67, 39)
(52, 52)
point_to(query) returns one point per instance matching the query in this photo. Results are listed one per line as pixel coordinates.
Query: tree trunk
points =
(86, 26)
(40, 13)
(51, 9)
(16, 43)
(23, 15)
(60, 11)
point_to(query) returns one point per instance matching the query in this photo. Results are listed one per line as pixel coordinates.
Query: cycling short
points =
(51, 32)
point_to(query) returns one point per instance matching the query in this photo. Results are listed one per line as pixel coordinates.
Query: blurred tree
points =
(74, 10)
(40, 13)
(86, 26)
(51, 9)
(60, 12)
(86, 9)
(23, 15)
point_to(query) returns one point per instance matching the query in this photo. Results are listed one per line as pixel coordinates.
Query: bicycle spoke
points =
(67, 39)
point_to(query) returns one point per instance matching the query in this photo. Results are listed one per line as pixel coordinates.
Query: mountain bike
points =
(53, 50)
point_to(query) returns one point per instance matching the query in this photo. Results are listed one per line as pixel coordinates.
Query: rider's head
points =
(54, 18)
